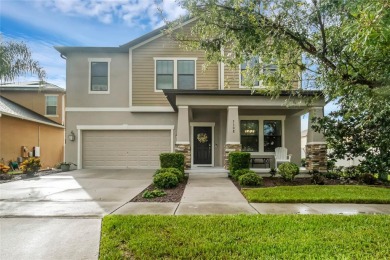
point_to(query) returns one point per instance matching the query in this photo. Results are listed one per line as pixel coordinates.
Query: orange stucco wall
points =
(15, 133)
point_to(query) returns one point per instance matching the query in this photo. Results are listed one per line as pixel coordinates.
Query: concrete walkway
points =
(213, 193)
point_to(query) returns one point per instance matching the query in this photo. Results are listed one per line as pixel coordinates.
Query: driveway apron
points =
(59, 216)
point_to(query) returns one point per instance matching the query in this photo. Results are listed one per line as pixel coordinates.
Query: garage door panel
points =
(124, 149)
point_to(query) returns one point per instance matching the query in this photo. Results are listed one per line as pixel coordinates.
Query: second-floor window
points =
(51, 105)
(99, 76)
(175, 73)
(265, 69)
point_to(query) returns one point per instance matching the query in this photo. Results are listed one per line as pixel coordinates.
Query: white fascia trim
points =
(121, 109)
(130, 77)
(233, 143)
(125, 127)
(151, 109)
(97, 109)
(161, 34)
(202, 124)
(316, 143)
(108, 60)
(182, 142)
(32, 120)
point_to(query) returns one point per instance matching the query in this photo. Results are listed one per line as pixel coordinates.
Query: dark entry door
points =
(202, 145)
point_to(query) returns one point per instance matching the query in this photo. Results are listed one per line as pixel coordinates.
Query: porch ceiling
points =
(244, 99)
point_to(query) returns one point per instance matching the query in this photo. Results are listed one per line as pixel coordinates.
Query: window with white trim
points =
(51, 105)
(175, 73)
(265, 69)
(261, 134)
(99, 79)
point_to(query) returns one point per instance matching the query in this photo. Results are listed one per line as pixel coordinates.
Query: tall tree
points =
(16, 60)
(341, 47)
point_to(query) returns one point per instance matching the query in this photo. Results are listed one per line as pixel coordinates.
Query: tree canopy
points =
(341, 47)
(16, 60)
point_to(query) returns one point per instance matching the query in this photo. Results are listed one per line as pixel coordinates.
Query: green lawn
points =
(312, 193)
(246, 237)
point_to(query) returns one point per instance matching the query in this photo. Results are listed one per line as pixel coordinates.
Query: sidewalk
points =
(213, 193)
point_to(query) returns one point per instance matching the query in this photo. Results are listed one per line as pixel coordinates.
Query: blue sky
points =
(42, 24)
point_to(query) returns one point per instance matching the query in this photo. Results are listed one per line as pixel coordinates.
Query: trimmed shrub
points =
(250, 179)
(177, 172)
(238, 161)
(318, 179)
(165, 180)
(172, 160)
(236, 175)
(367, 178)
(153, 194)
(288, 171)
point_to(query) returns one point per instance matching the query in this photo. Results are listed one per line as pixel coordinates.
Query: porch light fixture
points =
(72, 136)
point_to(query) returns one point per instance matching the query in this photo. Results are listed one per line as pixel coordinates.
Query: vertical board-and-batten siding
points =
(144, 68)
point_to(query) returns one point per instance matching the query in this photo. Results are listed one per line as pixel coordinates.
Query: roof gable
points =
(9, 108)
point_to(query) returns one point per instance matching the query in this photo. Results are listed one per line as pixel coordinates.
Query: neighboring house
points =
(340, 162)
(130, 103)
(32, 122)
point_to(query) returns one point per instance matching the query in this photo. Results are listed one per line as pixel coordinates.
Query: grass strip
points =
(319, 194)
(246, 237)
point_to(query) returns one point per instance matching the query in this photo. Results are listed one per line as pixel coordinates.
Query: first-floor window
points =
(272, 135)
(51, 105)
(249, 135)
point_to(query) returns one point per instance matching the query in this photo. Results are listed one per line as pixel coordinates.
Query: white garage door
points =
(124, 148)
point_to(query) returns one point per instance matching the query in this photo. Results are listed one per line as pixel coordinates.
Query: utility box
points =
(24, 151)
(37, 151)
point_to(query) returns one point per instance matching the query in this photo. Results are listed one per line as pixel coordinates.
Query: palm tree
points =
(16, 60)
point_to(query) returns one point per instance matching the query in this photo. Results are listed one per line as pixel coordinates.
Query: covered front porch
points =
(213, 123)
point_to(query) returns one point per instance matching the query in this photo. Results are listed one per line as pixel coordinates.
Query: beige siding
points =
(144, 70)
(232, 78)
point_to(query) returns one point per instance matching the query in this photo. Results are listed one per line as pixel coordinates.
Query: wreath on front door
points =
(202, 138)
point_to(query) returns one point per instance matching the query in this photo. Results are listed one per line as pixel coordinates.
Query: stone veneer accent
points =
(186, 150)
(316, 157)
(230, 148)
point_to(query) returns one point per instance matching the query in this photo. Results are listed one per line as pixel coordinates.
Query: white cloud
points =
(130, 12)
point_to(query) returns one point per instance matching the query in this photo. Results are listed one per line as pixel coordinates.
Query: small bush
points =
(318, 179)
(31, 165)
(177, 172)
(351, 172)
(4, 168)
(165, 180)
(172, 160)
(250, 179)
(238, 161)
(333, 175)
(238, 173)
(272, 172)
(153, 194)
(288, 171)
(367, 178)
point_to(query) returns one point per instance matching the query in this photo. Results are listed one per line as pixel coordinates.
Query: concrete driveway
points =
(59, 216)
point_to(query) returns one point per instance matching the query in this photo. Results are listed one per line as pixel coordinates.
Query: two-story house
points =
(32, 122)
(130, 103)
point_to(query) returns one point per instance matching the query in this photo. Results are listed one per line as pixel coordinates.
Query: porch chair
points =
(281, 156)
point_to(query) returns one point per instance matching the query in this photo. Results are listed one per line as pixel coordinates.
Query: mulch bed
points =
(278, 181)
(4, 178)
(173, 195)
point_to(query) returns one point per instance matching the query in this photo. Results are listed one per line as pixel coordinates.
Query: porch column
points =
(232, 133)
(183, 144)
(316, 148)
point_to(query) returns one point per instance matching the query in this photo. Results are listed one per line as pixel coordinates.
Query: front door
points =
(202, 145)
